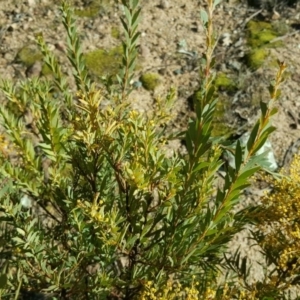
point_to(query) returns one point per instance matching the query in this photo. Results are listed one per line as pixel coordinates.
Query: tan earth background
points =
(251, 39)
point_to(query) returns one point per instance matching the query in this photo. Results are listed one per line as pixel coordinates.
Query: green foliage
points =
(28, 55)
(93, 8)
(219, 125)
(263, 33)
(257, 57)
(102, 62)
(115, 32)
(150, 81)
(281, 27)
(88, 12)
(95, 208)
(261, 36)
(260, 33)
(223, 82)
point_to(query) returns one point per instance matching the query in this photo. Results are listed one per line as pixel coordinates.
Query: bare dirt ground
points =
(166, 27)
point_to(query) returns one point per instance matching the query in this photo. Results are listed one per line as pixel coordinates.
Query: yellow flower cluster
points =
(133, 114)
(4, 146)
(93, 211)
(280, 222)
(171, 291)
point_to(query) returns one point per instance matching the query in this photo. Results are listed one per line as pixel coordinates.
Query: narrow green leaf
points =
(238, 156)
(212, 231)
(104, 183)
(221, 216)
(50, 154)
(248, 172)
(216, 2)
(21, 231)
(121, 238)
(124, 24)
(268, 128)
(200, 166)
(147, 228)
(220, 196)
(253, 136)
(263, 108)
(32, 237)
(210, 94)
(232, 196)
(127, 15)
(271, 89)
(241, 184)
(170, 260)
(155, 234)
(135, 18)
(29, 254)
(132, 65)
(18, 240)
(188, 255)
(274, 111)
(131, 241)
(6, 188)
(134, 4)
(5, 219)
(189, 143)
(256, 161)
(134, 38)
(127, 43)
(203, 17)
(260, 143)
(51, 288)
(3, 281)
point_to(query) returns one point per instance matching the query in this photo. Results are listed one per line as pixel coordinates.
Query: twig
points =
(284, 36)
(251, 17)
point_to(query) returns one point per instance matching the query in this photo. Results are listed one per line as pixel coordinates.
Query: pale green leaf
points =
(204, 17)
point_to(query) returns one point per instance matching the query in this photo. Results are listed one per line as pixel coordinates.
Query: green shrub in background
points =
(93, 208)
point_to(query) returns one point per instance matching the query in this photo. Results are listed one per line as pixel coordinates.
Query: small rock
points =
(10, 28)
(31, 2)
(60, 46)
(137, 84)
(164, 4)
(226, 39)
(26, 201)
(177, 72)
(296, 77)
(239, 43)
(144, 51)
(34, 70)
(235, 64)
(275, 15)
(17, 17)
(26, 26)
(9, 56)
(162, 71)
